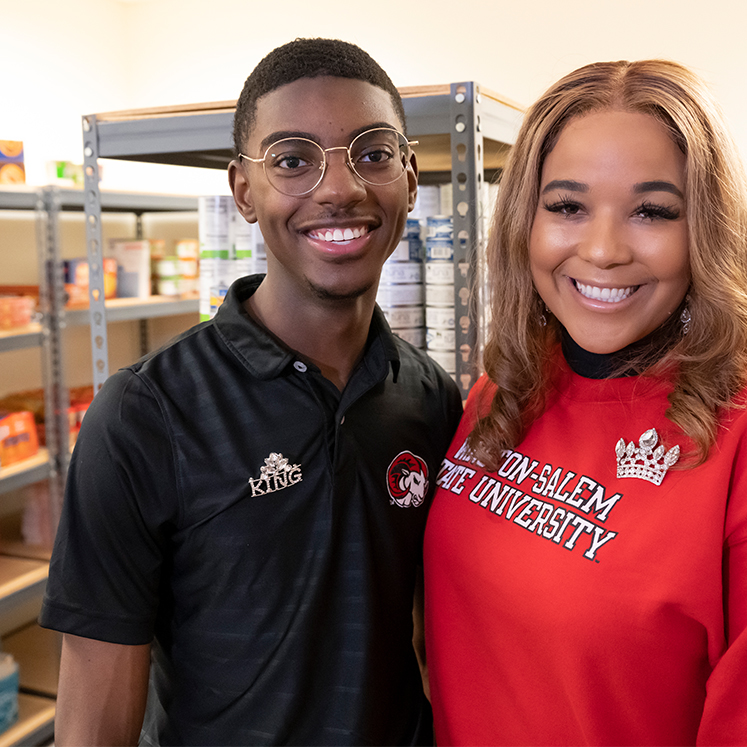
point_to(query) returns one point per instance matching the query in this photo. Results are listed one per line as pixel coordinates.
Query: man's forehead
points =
(328, 102)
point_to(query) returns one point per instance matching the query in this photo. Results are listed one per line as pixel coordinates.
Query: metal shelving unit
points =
(464, 131)
(48, 203)
(23, 578)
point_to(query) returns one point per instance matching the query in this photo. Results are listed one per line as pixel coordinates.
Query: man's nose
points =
(340, 184)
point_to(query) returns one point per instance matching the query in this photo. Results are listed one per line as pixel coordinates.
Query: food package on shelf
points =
(16, 311)
(8, 691)
(76, 280)
(133, 267)
(12, 170)
(18, 437)
(33, 401)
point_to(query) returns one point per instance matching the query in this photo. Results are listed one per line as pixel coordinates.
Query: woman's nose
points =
(605, 243)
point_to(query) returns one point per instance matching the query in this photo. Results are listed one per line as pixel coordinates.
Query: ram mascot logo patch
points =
(407, 480)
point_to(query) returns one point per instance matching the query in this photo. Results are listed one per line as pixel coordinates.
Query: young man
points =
(245, 507)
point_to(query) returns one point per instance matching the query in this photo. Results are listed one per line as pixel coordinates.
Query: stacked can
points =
(215, 250)
(427, 202)
(400, 294)
(242, 239)
(230, 248)
(440, 335)
(187, 253)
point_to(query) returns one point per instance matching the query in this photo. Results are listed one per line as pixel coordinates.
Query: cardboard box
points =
(133, 267)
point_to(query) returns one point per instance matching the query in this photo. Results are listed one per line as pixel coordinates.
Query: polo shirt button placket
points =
(300, 366)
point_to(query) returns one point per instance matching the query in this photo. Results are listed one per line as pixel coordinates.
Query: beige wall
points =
(154, 52)
(65, 58)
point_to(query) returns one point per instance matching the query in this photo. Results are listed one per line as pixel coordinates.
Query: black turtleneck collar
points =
(610, 365)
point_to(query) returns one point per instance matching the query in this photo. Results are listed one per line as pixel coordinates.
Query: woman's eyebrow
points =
(657, 186)
(568, 184)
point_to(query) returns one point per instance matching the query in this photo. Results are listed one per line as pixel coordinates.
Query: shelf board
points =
(35, 723)
(21, 581)
(37, 651)
(69, 199)
(127, 309)
(28, 336)
(128, 202)
(18, 198)
(23, 473)
(200, 134)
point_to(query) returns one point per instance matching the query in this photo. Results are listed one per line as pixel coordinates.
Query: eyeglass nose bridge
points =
(348, 162)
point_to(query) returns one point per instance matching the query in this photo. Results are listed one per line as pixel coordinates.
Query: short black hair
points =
(307, 58)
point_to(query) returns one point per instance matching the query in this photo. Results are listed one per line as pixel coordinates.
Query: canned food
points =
(415, 336)
(440, 339)
(439, 225)
(439, 247)
(408, 250)
(439, 295)
(404, 316)
(439, 316)
(405, 294)
(439, 272)
(402, 272)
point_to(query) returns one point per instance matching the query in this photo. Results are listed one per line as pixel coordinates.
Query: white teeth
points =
(338, 234)
(608, 295)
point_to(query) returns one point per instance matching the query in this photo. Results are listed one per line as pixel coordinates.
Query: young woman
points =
(586, 553)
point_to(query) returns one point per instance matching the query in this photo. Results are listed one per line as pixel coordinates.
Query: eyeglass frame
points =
(323, 169)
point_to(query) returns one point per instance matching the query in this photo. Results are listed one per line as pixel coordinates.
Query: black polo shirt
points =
(227, 500)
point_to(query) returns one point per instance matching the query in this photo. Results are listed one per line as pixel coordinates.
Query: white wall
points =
(158, 52)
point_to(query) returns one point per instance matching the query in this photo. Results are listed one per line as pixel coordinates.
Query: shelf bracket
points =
(92, 206)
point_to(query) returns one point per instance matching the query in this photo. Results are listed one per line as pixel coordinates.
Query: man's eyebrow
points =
(657, 186)
(568, 184)
(273, 137)
(373, 126)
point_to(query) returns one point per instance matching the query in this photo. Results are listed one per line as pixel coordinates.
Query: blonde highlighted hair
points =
(711, 360)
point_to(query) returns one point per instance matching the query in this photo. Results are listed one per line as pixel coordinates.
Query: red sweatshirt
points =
(568, 606)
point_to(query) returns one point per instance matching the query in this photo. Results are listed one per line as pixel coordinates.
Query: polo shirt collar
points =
(266, 357)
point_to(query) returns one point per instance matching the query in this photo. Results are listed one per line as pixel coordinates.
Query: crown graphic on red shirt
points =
(649, 461)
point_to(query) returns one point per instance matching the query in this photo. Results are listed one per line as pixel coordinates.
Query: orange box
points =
(18, 437)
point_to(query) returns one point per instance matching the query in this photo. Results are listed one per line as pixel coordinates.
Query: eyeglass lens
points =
(294, 166)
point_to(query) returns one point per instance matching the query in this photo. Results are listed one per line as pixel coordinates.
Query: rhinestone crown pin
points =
(648, 462)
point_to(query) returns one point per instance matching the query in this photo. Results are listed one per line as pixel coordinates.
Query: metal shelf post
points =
(52, 302)
(467, 187)
(94, 241)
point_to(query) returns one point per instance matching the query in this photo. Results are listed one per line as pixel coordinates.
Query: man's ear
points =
(412, 182)
(241, 191)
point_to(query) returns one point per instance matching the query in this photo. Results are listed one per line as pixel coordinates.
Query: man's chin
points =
(339, 295)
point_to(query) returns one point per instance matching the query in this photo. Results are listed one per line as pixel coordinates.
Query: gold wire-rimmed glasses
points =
(295, 166)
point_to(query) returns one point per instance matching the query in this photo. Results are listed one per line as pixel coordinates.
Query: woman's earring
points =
(543, 315)
(686, 317)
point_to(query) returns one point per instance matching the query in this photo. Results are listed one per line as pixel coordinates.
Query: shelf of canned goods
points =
(464, 133)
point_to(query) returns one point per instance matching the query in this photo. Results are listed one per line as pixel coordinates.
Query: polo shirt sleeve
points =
(120, 504)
